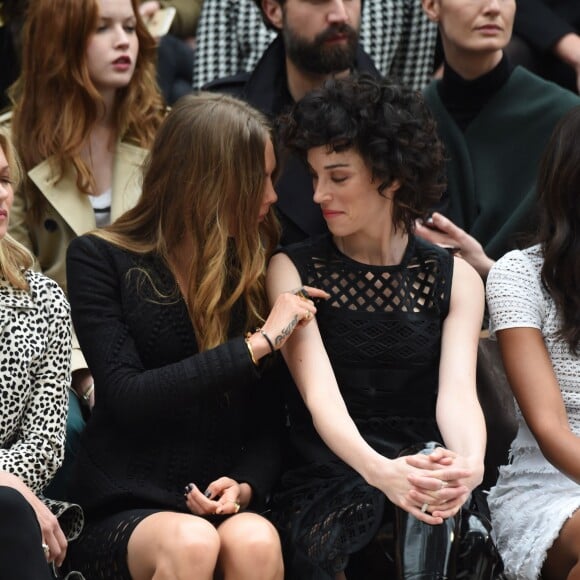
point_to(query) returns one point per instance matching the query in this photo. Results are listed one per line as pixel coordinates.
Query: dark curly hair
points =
(391, 128)
(559, 234)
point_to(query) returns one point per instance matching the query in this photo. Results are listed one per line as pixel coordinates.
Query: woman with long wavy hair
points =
(86, 109)
(179, 454)
(34, 377)
(534, 303)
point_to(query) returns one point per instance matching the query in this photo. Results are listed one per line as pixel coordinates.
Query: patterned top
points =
(35, 334)
(231, 38)
(517, 298)
(382, 330)
(532, 499)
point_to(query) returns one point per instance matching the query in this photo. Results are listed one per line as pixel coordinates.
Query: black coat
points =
(266, 89)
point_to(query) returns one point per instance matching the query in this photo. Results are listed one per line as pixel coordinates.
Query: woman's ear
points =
(387, 191)
(431, 9)
(273, 12)
(395, 186)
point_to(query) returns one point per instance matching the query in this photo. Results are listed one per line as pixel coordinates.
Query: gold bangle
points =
(250, 349)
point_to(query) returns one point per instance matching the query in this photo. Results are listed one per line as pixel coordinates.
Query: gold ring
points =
(424, 507)
(308, 315)
(236, 506)
(45, 549)
(443, 485)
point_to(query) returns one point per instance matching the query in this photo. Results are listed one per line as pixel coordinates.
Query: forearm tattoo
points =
(286, 332)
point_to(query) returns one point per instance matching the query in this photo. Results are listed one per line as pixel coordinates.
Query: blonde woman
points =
(34, 376)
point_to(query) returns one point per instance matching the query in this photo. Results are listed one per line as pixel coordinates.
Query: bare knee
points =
(251, 543)
(173, 546)
(261, 542)
(197, 541)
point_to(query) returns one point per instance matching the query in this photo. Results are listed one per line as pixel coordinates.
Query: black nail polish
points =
(188, 488)
(207, 493)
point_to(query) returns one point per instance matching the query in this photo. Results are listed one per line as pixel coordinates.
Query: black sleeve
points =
(261, 464)
(539, 25)
(135, 396)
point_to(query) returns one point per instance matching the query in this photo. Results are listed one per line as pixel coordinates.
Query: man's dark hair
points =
(388, 124)
(268, 24)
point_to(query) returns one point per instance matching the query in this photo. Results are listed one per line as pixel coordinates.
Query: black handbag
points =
(477, 555)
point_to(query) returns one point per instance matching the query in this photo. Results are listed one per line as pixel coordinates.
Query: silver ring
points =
(424, 507)
(45, 549)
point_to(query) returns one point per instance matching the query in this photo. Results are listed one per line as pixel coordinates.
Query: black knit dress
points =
(165, 414)
(382, 331)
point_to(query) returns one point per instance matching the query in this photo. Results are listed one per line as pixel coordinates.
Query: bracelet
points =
(270, 343)
(86, 396)
(250, 350)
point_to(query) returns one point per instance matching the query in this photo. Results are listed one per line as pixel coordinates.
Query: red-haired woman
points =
(85, 112)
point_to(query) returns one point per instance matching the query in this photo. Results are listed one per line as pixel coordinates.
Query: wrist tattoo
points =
(286, 332)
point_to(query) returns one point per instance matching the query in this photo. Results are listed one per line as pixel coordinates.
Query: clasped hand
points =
(224, 496)
(430, 487)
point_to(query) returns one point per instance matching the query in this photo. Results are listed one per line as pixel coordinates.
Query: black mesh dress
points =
(382, 331)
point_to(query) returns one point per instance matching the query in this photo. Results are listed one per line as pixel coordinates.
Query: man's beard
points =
(318, 58)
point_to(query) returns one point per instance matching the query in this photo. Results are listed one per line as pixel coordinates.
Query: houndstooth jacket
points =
(231, 38)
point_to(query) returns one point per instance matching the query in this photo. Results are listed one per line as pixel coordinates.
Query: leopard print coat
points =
(35, 354)
(35, 373)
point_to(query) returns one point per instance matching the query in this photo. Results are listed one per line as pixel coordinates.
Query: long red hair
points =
(56, 105)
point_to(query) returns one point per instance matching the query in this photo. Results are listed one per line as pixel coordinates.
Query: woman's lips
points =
(489, 29)
(122, 63)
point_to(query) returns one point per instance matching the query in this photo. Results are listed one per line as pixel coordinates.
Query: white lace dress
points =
(532, 499)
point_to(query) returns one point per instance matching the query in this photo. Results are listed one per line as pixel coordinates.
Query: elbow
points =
(552, 440)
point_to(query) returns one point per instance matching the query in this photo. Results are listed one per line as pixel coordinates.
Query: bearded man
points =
(316, 41)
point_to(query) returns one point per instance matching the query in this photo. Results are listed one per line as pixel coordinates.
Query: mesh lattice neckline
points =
(413, 286)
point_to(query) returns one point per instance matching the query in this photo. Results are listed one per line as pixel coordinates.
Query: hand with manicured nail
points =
(225, 496)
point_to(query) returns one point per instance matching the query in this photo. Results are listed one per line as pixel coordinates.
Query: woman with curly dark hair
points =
(390, 360)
